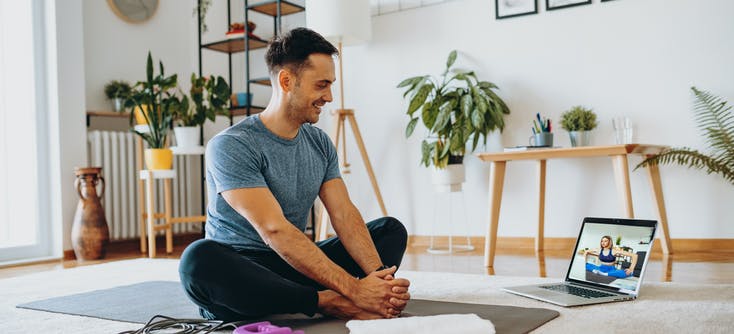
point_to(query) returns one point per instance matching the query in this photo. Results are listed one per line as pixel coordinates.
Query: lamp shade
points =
(345, 21)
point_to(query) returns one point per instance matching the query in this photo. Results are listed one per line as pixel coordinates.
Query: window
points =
(23, 232)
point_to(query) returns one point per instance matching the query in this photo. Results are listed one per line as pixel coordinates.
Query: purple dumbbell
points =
(264, 327)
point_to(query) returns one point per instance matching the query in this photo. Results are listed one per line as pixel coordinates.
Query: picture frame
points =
(512, 8)
(558, 4)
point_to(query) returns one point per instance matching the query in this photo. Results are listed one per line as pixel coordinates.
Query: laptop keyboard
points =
(577, 291)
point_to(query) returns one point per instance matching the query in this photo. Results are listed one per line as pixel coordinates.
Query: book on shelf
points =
(527, 148)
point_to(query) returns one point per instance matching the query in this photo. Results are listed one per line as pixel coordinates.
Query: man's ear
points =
(286, 80)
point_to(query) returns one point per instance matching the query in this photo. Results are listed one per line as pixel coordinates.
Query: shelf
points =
(123, 114)
(195, 150)
(271, 8)
(235, 45)
(265, 81)
(158, 174)
(242, 111)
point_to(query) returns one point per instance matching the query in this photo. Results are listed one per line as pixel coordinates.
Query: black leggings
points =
(233, 285)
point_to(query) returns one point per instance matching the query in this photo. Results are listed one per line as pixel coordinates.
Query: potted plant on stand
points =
(209, 97)
(117, 91)
(155, 94)
(455, 108)
(578, 121)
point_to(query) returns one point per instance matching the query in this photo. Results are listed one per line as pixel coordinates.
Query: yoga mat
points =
(138, 303)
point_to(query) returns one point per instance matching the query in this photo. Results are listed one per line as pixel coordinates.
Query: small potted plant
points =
(207, 98)
(117, 91)
(578, 121)
(455, 108)
(156, 102)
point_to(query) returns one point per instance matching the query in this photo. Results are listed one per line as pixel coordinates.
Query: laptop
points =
(614, 275)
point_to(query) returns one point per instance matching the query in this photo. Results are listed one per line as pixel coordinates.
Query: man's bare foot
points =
(333, 304)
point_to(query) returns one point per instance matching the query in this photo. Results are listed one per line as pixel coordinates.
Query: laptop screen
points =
(612, 252)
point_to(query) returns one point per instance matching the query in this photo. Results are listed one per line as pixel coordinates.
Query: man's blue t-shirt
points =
(248, 155)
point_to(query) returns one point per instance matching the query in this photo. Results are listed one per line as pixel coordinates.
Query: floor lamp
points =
(343, 23)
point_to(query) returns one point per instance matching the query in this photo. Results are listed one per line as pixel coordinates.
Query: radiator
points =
(114, 151)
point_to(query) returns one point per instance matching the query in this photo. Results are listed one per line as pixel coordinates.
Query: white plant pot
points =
(449, 179)
(187, 136)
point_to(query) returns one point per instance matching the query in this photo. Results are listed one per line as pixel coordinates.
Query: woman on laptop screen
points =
(608, 255)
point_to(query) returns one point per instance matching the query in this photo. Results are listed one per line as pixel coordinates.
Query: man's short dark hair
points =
(292, 49)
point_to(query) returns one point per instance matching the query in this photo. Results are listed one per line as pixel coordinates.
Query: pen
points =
(549, 126)
(533, 128)
(540, 120)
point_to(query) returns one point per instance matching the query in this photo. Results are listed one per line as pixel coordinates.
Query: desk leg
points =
(653, 173)
(496, 181)
(622, 178)
(539, 238)
(151, 214)
(169, 210)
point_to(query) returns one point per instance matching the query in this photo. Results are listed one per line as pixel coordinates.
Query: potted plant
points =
(716, 121)
(208, 98)
(455, 108)
(156, 102)
(117, 91)
(578, 121)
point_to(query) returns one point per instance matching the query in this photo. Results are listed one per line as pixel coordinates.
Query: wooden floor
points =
(682, 268)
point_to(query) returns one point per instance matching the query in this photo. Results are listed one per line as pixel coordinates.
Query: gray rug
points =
(138, 303)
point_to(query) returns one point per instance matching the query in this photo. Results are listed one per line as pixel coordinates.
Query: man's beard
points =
(300, 113)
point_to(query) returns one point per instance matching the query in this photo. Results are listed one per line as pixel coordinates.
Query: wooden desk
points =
(618, 153)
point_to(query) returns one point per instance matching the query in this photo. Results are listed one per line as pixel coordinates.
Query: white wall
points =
(65, 66)
(115, 49)
(637, 58)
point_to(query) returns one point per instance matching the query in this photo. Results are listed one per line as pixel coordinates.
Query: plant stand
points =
(449, 197)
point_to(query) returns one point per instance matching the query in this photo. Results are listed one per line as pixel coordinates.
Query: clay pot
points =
(89, 232)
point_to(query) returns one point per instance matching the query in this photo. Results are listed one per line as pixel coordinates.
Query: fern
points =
(716, 121)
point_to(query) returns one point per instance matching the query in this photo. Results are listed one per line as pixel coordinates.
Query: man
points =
(263, 175)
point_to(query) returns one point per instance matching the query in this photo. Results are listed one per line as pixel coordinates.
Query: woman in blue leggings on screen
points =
(608, 258)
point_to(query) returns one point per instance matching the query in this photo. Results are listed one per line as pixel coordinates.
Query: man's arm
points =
(261, 209)
(349, 225)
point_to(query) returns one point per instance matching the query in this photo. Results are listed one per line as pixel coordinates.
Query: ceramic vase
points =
(89, 232)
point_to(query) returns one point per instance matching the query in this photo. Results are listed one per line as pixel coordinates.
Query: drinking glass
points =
(623, 131)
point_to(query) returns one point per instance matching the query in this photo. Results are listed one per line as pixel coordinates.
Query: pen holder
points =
(541, 139)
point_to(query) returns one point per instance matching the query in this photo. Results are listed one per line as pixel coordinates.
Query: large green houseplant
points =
(208, 97)
(455, 108)
(716, 120)
(155, 99)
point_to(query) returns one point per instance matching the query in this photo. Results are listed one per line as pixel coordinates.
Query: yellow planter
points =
(139, 117)
(158, 158)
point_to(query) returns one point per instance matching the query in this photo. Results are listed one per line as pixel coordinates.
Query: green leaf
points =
(486, 85)
(426, 150)
(409, 81)
(419, 98)
(446, 150)
(149, 68)
(476, 119)
(457, 142)
(451, 60)
(444, 115)
(430, 112)
(467, 103)
(411, 126)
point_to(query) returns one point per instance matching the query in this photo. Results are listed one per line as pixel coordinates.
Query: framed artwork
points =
(512, 8)
(558, 4)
